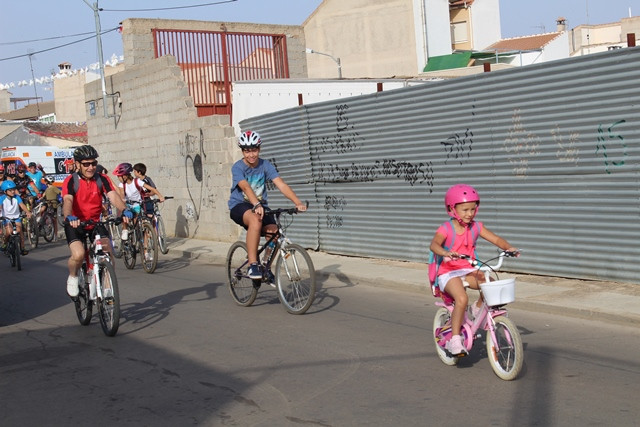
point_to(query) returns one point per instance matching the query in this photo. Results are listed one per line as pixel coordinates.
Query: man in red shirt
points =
(82, 198)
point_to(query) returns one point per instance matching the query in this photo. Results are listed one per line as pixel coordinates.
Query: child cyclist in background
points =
(140, 172)
(10, 205)
(131, 190)
(249, 196)
(454, 274)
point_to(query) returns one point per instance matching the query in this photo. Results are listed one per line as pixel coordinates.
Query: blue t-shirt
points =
(37, 178)
(256, 177)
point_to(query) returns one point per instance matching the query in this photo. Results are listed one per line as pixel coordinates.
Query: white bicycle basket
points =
(499, 292)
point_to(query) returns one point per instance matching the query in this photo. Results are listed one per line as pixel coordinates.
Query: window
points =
(459, 32)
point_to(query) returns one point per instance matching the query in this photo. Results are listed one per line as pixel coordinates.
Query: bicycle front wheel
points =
(32, 232)
(295, 279)
(16, 253)
(243, 289)
(149, 252)
(48, 227)
(162, 236)
(10, 252)
(82, 302)
(506, 354)
(109, 304)
(129, 250)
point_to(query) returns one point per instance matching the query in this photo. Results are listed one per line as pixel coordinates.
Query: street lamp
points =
(337, 60)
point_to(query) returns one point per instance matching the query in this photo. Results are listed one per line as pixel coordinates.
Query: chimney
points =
(561, 24)
(64, 67)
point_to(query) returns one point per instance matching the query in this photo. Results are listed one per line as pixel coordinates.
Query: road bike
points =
(294, 275)
(97, 282)
(12, 250)
(142, 240)
(158, 224)
(503, 341)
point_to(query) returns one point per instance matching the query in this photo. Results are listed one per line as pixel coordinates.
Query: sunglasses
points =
(89, 164)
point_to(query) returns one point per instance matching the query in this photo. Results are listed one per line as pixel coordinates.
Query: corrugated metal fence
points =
(553, 149)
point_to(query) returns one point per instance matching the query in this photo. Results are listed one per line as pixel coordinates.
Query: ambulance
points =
(56, 162)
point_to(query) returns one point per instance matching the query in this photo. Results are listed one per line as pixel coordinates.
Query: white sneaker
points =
(455, 346)
(124, 235)
(72, 286)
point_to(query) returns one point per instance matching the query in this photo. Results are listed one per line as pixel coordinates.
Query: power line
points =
(167, 8)
(58, 47)
(45, 39)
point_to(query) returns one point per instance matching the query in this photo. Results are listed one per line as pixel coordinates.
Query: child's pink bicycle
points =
(504, 345)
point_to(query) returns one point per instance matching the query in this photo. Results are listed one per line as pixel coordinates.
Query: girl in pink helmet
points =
(455, 274)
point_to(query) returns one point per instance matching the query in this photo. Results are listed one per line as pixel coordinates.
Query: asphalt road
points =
(185, 354)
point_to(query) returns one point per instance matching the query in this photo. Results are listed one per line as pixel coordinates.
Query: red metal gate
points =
(211, 60)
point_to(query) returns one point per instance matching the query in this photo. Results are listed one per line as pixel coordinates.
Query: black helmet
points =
(85, 152)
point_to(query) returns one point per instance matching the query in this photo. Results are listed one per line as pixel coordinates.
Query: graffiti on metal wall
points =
(611, 146)
(197, 180)
(521, 145)
(345, 139)
(567, 151)
(458, 146)
(334, 205)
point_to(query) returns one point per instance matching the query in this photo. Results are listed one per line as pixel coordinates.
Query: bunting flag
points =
(45, 80)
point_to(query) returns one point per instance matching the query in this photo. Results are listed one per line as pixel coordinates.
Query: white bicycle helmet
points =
(249, 139)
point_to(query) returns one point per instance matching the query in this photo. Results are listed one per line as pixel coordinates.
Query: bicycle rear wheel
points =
(440, 321)
(506, 355)
(129, 250)
(243, 289)
(82, 302)
(48, 227)
(295, 279)
(162, 236)
(149, 252)
(109, 304)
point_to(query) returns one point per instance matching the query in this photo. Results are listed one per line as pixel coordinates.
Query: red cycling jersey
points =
(87, 201)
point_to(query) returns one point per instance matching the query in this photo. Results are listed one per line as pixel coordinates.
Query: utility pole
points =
(95, 9)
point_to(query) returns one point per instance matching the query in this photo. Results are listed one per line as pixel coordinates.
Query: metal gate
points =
(210, 61)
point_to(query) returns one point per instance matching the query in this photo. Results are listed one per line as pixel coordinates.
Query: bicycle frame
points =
(93, 254)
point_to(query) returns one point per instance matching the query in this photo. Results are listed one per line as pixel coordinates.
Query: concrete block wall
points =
(137, 38)
(188, 157)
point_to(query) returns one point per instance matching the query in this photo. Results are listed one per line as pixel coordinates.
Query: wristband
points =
(253, 209)
(71, 218)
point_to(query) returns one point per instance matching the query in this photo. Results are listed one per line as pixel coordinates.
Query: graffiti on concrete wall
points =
(611, 146)
(198, 180)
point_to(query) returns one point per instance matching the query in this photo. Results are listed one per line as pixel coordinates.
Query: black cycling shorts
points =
(237, 212)
(80, 234)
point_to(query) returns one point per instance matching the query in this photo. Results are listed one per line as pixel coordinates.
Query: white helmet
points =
(249, 139)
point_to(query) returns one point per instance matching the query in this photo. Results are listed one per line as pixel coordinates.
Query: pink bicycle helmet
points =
(123, 169)
(249, 139)
(459, 193)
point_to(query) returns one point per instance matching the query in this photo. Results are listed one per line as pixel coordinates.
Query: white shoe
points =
(124, 235)
(72, 286)
(456, 347)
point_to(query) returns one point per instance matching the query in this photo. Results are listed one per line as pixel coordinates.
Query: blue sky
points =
(24, 21)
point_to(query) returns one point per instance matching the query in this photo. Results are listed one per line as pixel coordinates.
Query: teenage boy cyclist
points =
(84, 203)
(249, 196)
(10, 205)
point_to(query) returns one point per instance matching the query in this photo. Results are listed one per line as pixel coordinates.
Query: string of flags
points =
(112, 62)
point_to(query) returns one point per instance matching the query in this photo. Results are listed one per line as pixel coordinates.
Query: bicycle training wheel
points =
(82, 302)
(442, 318)
(506, 356)
(109, 304)
(295, 279)
(149, 252)
(129, 250)
(48, 227)
(115, 232)
(162, 236)
(242, 288)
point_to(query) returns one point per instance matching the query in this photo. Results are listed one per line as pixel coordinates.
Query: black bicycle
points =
(13, 250)
(142, 240)
(294, 275)
(98, 283)
(45, 220)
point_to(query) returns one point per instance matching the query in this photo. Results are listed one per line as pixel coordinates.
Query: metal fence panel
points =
(553, 149)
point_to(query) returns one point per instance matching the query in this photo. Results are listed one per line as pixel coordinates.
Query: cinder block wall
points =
(188, 157)
(137, 38)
